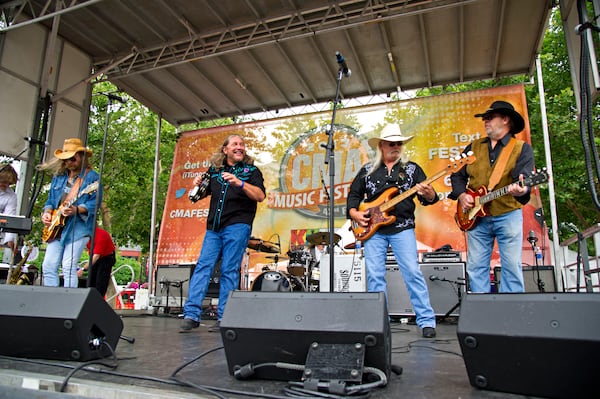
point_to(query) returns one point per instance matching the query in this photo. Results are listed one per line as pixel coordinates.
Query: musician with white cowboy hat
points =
(391, 171)
(72, 200)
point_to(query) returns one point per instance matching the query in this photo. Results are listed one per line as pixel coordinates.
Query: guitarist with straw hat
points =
(68, 214)
(391, 170)
(501, 161)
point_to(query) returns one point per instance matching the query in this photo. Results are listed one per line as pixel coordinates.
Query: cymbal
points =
(276, 257)
(263, 246)
(322, 238)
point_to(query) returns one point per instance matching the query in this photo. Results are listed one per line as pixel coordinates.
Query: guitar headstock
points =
(538, 176)
(458, 162)
(90, 188)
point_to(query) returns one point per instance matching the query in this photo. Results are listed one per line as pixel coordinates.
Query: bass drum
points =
(277, 281)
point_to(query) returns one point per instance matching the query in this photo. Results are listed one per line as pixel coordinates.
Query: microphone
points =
(532, 238)
(433, 277)
(116, 98)
(342, 62)
(35, 141)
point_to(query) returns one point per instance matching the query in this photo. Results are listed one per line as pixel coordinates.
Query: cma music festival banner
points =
(290, 152)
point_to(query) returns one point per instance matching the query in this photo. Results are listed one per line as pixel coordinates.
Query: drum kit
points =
(302, 269)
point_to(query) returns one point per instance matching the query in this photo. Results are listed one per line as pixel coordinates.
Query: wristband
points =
(242, 186)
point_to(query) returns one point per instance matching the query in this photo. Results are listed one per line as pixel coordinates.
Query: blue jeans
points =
(229, 244)
(507, 229)
(68, 255)
(404, 246)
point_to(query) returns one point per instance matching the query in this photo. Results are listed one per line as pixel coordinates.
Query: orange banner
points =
(291, 154)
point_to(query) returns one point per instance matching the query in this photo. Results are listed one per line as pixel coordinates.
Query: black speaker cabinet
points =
(57, 323)
(268, 327)
(535, 278)
(444, 281)
(532, 344)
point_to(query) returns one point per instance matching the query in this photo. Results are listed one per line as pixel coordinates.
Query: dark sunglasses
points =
(72, 159)
(393, 143)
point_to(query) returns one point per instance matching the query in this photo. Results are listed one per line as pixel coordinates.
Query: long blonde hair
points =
(58, 166)
(218, 158)
(378, 160)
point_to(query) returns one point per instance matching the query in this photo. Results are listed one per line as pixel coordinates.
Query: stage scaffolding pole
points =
(553, 216)
(151, 263)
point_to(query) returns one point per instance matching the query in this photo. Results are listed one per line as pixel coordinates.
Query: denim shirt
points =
(79, 225)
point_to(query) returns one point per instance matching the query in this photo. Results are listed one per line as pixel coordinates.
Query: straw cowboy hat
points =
(505, 108)
(390, 132)
(70, 148)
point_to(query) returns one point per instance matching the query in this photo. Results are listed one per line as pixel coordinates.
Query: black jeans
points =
(100, 273)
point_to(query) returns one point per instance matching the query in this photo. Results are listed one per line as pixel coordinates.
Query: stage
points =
(431, 368)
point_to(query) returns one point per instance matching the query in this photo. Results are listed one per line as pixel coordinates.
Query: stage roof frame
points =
(200, 60)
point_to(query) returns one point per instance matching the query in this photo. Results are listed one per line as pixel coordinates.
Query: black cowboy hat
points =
(505, 108)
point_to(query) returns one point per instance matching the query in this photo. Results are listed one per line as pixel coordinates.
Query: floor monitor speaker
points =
(57, 323)
(260, 328)
(535, 344)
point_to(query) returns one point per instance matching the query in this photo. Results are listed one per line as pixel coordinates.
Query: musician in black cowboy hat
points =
(501, 161)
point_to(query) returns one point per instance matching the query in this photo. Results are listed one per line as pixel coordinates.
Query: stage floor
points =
(432, 368)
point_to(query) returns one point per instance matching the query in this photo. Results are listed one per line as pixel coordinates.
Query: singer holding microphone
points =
(236, 186)
(390, 169)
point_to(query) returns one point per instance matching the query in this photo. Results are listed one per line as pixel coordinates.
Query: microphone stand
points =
(459, 293)
(330, 160)
(540, 283)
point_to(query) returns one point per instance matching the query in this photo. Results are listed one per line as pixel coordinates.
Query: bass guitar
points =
(466, 219)
(387, 200)
(53, 230)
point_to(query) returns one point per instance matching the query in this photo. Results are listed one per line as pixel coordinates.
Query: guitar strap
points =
(75, 188)
(501, 164)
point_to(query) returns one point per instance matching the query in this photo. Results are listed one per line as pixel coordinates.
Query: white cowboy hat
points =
(390, 132)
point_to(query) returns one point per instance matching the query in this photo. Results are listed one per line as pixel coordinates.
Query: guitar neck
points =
(401, 197)
(492, 195)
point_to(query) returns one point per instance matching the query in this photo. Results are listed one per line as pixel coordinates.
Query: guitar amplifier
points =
(441, 257)
(445, 283)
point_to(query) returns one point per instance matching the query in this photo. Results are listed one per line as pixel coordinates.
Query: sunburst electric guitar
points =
(388, 199)
(467, 219)
(53, 230)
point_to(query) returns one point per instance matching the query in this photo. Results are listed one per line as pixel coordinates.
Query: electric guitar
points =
(53, 230)
(388, 199)
(467, 219)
